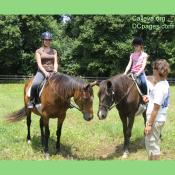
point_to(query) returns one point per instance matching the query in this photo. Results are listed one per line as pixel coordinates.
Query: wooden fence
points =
(22, 78)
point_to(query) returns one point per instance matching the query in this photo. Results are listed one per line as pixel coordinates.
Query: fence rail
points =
(21, 78)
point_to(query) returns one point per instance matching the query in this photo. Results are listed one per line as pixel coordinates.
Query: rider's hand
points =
(47, 74)
(137, 74)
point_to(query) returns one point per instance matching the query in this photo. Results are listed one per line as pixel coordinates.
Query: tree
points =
(20, 37)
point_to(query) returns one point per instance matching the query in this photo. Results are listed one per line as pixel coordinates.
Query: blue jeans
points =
(142, 83)
(38, 79)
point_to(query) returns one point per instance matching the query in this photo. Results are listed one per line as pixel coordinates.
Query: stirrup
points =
(30, 105)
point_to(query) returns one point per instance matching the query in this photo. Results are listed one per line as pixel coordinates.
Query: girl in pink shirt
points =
(137, 64)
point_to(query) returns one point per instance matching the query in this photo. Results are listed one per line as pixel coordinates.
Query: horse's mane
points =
(119, 82)
(64, 85)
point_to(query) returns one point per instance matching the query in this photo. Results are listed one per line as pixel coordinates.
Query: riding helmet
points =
(46, 35)
(137, 41)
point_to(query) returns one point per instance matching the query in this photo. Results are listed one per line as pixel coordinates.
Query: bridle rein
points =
(113, 99)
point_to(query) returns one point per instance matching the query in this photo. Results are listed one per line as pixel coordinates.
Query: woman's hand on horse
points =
(47, 74)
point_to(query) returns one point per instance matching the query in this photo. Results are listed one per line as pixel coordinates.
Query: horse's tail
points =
(16, 116)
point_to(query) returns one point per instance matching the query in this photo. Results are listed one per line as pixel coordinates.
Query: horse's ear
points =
(86, 86)
(95, 83)
(109, 85)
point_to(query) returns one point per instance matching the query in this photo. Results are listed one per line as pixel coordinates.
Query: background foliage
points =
(88, 45)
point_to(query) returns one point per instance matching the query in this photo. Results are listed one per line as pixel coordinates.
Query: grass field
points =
(80, 139)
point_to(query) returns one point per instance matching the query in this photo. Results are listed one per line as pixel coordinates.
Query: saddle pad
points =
(39, 108)
(41, 89)
(141, 109)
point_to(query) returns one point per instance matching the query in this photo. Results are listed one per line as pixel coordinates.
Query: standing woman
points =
(46, 59)
(157, 109)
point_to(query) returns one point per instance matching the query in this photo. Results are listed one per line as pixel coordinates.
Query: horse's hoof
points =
(125, 155)
(47, 156)
(29, 142)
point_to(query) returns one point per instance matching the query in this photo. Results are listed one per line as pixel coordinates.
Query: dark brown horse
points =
(120, 91)
(55, 101)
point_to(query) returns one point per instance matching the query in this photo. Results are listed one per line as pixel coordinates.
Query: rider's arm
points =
(128, 66)
(150, 122)
(38, 60)
(55, 61)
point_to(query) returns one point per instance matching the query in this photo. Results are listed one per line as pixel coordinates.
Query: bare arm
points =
(128, 66)
(150, 122)
(55, 61)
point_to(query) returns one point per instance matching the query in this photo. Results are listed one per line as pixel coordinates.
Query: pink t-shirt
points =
(137, 61)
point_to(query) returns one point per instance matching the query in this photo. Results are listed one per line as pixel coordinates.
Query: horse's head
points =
(106, 98)
(83, 97)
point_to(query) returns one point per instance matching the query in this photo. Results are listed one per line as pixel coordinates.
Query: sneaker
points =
(30, 105)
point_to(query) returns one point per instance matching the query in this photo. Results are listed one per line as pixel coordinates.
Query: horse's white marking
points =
(125, 155)
(28, 141)
(47, 156)
(100, 114)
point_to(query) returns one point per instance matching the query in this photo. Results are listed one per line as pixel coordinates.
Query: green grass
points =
(80, 139)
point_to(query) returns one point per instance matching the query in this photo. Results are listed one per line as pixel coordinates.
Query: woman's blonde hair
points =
(162, 66)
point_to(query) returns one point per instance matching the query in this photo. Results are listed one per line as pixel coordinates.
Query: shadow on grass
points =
(66, 150)
(134, 146)
(107, 154)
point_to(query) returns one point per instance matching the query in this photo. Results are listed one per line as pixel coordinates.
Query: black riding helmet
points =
(137, 41)
(46, 35)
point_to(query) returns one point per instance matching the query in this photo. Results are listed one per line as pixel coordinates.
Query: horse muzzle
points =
(87, 116)
(102, 114)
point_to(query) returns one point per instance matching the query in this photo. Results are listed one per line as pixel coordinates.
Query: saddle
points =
(142, 107)
(138, 83)
(39, 92)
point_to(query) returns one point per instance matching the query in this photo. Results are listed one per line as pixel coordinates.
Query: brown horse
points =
(121, 91)
(55, 101)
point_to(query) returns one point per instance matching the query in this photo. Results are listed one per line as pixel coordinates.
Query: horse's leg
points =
(46, 136)
(42, 130)
(28, 126)
(127, 129)
(124, 123)
(58, 133)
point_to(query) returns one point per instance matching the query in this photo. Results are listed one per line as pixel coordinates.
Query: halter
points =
(73, 106)
(114, 105)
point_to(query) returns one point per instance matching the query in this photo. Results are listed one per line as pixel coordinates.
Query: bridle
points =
(73, 105)
(108, 108)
